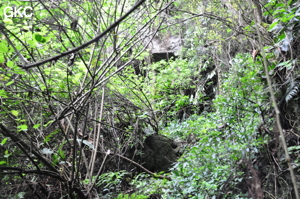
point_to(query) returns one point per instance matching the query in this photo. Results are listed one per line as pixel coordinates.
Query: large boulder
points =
(158, 153)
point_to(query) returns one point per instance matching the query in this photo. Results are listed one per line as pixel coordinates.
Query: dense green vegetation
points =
(85, 84)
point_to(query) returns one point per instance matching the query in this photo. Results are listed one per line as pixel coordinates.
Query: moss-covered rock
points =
(158, 153)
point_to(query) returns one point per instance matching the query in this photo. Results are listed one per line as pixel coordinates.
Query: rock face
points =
(158, 153)
(165, 43)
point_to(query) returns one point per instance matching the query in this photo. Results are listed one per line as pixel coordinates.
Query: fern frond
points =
(292, 91)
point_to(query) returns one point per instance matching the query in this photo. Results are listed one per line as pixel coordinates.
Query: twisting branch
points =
(24, 147)
(18, 170)
(21, 57)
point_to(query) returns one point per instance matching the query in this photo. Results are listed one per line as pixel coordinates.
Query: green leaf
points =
(3, 47)
(293, 148)
(2, 162)
(48, 137)
(1, 58)
(62, 154)
(36, 126)
(281, 36)
(6, 154)
(279, 5)
(8, 21)
(45, 125)
(3, 93)
(3, 141)
(10, 64)
(15, 113)
(23, 127)
(39, 38)
(287, 18)
(55, 158)
(274, 27)
(176, 172)
(9, 83)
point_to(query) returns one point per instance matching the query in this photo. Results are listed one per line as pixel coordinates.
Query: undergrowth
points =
(217, 143)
